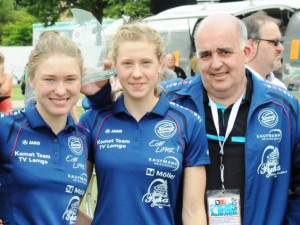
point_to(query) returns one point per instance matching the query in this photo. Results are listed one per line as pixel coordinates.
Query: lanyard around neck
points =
(232, 117)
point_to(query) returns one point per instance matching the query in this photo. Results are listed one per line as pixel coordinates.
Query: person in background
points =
(43, 152)
(6, 83)
(266, 45)
(252, 127)
(147, 140)
(170, 63)
(166, 74)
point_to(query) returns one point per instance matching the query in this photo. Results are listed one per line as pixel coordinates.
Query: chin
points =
(61, 112)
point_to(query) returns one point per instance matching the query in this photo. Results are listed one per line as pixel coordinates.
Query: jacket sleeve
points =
(293, 210)
(101, 99)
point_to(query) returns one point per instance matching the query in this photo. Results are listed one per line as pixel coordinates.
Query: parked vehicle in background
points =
(291, 58)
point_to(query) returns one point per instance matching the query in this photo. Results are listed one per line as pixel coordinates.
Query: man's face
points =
(221, 59)
(170, 61)
(268, 56)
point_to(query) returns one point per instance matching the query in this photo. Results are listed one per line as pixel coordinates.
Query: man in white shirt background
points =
(265, 40)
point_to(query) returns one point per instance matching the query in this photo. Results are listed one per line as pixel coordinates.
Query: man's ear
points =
(250, 49)
(247, 50)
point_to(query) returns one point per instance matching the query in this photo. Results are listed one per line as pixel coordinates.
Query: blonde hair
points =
(49, 45)
(136, 32)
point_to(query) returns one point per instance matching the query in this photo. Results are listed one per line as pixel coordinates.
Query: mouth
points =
(220, 74)
(136, 85)
(59, 101)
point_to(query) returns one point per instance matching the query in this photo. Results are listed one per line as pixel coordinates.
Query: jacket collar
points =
(35, 120)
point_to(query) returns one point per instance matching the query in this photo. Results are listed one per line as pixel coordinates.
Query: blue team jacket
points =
(272, 149)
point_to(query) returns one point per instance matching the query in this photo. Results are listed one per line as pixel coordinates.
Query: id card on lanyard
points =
(224, 204)
(224, 207)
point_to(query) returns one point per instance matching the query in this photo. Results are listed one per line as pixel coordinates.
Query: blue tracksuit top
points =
(42, 175)
(272, 149)
(139, 164)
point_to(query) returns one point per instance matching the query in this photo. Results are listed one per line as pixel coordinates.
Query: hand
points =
(92, 88)
(1, 223)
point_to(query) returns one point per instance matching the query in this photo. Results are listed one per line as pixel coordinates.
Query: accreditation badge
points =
(223, 207)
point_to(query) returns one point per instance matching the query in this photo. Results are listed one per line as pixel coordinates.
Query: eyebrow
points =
(220, 49)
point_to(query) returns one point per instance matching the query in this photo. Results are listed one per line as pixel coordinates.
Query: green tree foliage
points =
(135, 9)
(6, 7)
(6, 11)
(50, 11)
(16, 24)
(18, 32)
(47, 12)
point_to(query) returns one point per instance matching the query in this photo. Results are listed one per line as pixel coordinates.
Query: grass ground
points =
(17, 95)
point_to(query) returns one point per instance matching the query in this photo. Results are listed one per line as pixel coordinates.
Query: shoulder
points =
(90, 117)
(16, 119)
(170, 74)
(265, 91)
(278, 82)
(180, 84)
(179, 68)
(185, 113)
(15, 115)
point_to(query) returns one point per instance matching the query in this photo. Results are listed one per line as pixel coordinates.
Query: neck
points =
(138, 108)
(259, 71)
(57, 123)
(229, 99)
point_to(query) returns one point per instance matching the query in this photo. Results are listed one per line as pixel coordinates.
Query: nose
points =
(280, 47)
(60, 88)
(137, 73)
(216, 63)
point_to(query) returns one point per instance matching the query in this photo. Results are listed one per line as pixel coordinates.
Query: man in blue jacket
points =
(252, 128)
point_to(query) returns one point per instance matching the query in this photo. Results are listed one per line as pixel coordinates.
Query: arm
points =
(100, 99)
(83, 218)
(193, 211)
